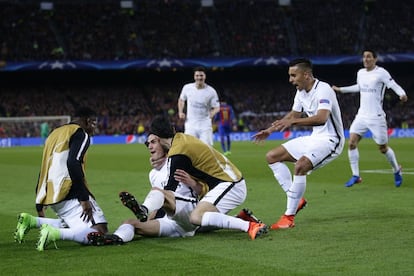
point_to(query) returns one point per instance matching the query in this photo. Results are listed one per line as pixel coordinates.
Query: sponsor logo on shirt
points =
(322, 101)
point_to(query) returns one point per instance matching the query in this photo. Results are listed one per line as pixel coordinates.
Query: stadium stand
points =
(84, 30)
(101, 30)
(121, 108)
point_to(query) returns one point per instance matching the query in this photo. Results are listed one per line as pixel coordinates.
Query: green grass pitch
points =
(364, 230)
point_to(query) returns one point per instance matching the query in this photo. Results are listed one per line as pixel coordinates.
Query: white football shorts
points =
(201, 130)
(320, 150)
(377, 126)
(70, 212)
(226, 196)
(179, 224)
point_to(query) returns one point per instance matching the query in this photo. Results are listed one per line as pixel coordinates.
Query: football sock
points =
(224, 221)
(79, 235)
(228, 143)
(126, 232)
(57, 223)
(353, 156)
(282, 174)
(223, 145)
(295, 193)
(154, 201)
(390, 155)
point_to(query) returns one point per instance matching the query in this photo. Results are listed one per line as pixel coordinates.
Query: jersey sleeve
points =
(214, 102)
(350, 89)
(178, 161)
(78, 145)
(183, 94)
(325, 98)
(297, 106)
(391, 83)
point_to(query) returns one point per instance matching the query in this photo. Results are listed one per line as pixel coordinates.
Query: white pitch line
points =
(389, 171)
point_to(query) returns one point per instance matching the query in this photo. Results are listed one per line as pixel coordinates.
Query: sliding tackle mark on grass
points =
(389, 171)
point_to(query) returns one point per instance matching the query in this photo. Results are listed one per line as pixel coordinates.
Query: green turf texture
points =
(367, 229)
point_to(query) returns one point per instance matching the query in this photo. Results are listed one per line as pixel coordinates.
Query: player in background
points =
(308, 153)
(371, 83)
(202, 104)
(225, 119)
(44, 131)
(62, 186)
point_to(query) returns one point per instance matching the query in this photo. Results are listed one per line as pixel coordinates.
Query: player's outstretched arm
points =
(336, 89)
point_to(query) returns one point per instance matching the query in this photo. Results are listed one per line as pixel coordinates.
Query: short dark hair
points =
(162, 127)
(374, 53)
(200, 68)
(85, 112)
(304, 63)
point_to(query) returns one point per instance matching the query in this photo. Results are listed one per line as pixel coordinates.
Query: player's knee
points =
(101, 227)
(383, 148)
(271, 158)
(302, 166)
(195, 218)
(352, 145)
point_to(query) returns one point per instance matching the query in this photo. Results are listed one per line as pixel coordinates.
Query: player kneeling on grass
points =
(226, 186)
(62, 186)
(177, 205)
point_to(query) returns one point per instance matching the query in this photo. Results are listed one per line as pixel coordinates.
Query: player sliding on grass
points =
(62, 187)
(318, 101)
(371, 83)
(177, 205)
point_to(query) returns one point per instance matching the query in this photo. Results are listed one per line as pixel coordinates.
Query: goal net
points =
(28, 127)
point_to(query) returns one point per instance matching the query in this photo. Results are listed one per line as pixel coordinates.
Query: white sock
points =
(79, 235)
(282, 174)
(295, 193)
(390, 155)
(224, 221)
(154, 201)
(126, 232)
(353, 156)
(54, 222)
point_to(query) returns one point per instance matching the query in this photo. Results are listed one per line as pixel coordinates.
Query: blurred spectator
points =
(123, 108)
(88, 30)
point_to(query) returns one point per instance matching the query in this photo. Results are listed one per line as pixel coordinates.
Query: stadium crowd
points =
(123, 109)
(101, 30)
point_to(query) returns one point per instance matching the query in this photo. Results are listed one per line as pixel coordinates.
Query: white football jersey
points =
(371, 86)
(199, 102)
(159, 178)
(321, 96)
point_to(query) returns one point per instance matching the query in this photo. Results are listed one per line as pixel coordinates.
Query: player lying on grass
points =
(177, 206)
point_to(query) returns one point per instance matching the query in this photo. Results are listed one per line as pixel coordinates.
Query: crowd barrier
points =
(235, 136)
